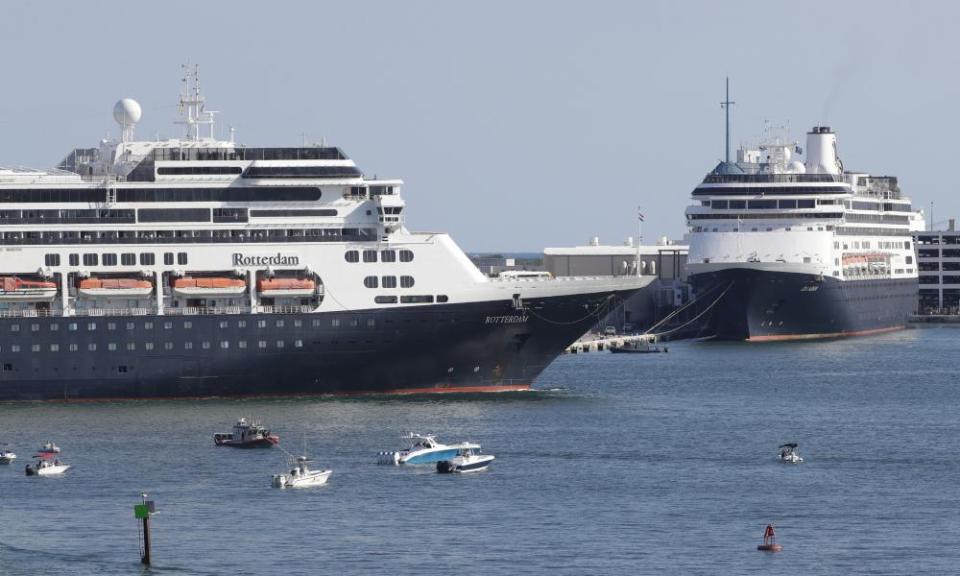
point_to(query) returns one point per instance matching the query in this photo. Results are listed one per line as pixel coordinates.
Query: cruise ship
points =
(198, 267)
(784, 249)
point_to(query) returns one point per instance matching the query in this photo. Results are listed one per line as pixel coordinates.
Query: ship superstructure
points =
(792, 249)
(197, 266)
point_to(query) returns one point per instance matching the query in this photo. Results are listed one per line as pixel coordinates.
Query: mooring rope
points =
(698, 316)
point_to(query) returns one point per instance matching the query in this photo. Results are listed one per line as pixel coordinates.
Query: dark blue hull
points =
(438, 348)
(762, 305)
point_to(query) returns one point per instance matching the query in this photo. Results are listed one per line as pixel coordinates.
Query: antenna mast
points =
(726, 106)
(192, 104)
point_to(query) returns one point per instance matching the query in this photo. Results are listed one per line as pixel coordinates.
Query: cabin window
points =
(298, 343)
(352, 256)
(72, 326)
(148, 345)
(280, 344)
(224, 344)
(128, 259)
(14, 347)
(188, 345)
(406, 282)
(406, 256)
(168, 345)
(242, 344)
(205, 345)
(416, 299)
(262, 344)
(7, 367)
(188, 325)
(181, 258)
(35, 348)
(90, 260)
(389, 281)
(335, 322)
(385, 299)
(51, 259)
(131, 346)
(91, 326)
(121, 369)
(54, 327)
(73, 347)
(74, 259)
(442, 298)
(279, 323)
(14, 327)
(371, 322)
(223, 324)
(34, 327)
(370, 282)
(148, 325)
(369, 255)
(388, 256)
(111, 325)
(147, 259)
(168, 325)
(168, 258)
(112, 347)
(109, 259)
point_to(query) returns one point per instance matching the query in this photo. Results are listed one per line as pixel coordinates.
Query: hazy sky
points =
(516, 125)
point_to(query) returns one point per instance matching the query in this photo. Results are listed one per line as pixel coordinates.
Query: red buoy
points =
(769, 541)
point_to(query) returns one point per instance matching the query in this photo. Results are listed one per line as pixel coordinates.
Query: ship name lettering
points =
(510, 319)
(265, 260)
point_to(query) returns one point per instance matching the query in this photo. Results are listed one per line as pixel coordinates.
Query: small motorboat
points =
(425, 449)
(788, 454)
(301, 476)
(46, 464)
(49, 448)
(468, 459)
(246, 435)
(638, 347)
(7, 456)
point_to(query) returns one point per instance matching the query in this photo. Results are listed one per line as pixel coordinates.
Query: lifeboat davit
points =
(188, 286)
(123, 287)
(280, 287)
(14, 288)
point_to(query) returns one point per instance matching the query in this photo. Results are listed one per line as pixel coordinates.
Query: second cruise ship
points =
(196, 266)
(787, 249)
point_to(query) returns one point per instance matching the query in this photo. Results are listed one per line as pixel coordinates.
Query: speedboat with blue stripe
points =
(425, 449)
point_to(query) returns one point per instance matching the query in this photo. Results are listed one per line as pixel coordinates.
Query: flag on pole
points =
(639, 215)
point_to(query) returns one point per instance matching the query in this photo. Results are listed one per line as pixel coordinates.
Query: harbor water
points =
(618, 465)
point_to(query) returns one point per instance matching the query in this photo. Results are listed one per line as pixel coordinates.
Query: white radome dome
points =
(127, 112)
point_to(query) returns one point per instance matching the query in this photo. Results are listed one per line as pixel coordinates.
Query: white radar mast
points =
(127, 113)
(192, 105)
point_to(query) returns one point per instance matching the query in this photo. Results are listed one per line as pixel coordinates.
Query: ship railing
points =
(33, 313)
(185, 311)
(114, 312)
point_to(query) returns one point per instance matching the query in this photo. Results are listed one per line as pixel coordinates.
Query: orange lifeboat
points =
(189, 286)
(14, 288)
(124, 287)
(280, 287)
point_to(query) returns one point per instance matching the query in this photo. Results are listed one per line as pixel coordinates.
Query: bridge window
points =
(370, 282)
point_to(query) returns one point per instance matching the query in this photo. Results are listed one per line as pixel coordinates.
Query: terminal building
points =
(938, 259)
(665, 261)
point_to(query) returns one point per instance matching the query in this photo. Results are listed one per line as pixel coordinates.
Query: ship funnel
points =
(822, 155)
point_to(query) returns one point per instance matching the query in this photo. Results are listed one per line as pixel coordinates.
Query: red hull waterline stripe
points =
(394, 392)
(785, 337)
